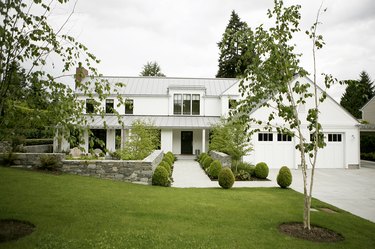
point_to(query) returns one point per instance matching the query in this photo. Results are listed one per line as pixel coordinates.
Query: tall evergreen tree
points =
(152, 68)
(357, 94)
(235, 43)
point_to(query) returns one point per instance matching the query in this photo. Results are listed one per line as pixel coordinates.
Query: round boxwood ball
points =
(214, 169)
(166, 165)
(170, 154)
(226, 178)
(202, 157)
(207, 162)
(261, 170)
(161, 177)
(168, 160)
(284, 178)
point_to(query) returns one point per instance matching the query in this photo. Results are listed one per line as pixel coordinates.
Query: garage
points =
(332, 155)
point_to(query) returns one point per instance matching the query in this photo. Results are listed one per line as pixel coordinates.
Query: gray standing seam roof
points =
(160, 85)
(171, 122)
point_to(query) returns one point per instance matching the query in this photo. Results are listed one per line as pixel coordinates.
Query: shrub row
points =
(163, 173)
(368, 156)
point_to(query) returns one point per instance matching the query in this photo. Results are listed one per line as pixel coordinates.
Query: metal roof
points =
(186, 122)
(160, 85)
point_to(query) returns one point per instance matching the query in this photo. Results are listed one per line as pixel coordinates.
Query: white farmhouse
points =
(184, 109)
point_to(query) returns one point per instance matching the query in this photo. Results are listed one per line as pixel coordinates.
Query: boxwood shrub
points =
(284, 178)
(166, 166)
(207, 162)
(161, 177)
(226, 178)
(202, 157)
(214, 169)
(261, 170)
(170, 155)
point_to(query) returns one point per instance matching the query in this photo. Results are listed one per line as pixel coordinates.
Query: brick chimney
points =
(81, 73)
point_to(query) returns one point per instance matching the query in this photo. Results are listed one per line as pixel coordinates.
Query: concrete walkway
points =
(352, 190)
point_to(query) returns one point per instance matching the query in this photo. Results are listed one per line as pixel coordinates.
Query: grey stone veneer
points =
(133, 170)
(225, 159)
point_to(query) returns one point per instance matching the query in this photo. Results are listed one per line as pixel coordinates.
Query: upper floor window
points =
(186, 104)
(177, 104)
(109, 105)
(232, 104)
(283, 137)
(129, 105)
(195, 105)
(265, 137)
(186, 108)
(89, 106)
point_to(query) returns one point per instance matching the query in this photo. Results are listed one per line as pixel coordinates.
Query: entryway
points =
(186, 142)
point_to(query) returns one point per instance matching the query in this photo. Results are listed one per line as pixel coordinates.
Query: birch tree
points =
(271, 82)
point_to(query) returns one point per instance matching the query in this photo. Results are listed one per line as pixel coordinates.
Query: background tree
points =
(27, 89)
(357, 94)
(152, 68)
(270, 83)
(235, 43)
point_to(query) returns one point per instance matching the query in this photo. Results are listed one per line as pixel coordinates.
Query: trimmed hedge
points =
(226, 178)
(161, 177)
(284, 178)
(168, 160)
(171, 155)
(166, 165)
(214, 169)
(261, 170)
(201, 158)
(207, 162)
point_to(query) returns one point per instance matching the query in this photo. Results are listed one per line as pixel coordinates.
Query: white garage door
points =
(332, 155)
(276, 150)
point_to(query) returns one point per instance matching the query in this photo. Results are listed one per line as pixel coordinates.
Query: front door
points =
(187, 142)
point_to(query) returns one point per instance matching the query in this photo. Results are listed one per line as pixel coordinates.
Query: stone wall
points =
(26, 160)
(132, 170)
(225, 159)
(44, 148)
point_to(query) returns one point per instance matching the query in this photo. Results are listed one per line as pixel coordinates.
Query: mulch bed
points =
(11, 229)
(316, 234)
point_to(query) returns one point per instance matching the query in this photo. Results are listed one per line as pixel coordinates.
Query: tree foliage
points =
(30, 96)
(357, 94)
(271, 83)
(235, 43)
(143, 139)
(152, 68)
(229, 136)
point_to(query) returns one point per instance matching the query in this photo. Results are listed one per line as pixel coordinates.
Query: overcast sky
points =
(182, 35)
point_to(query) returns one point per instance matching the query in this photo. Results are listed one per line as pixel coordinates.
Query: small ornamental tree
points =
(230, 137)
(270, 83)
(152, 68)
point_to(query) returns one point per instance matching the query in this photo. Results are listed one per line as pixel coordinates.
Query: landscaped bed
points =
(71, 211)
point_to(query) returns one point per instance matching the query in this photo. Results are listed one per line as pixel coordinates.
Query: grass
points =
(81, 212)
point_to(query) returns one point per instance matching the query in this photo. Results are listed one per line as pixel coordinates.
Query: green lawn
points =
(82, 212)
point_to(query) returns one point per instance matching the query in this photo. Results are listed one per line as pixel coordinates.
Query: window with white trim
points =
(186, 104)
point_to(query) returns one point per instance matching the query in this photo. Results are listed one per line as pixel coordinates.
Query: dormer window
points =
(186, 104)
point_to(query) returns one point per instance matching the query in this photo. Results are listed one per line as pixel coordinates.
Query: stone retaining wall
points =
(44, 148)
(26, 160)
(225, 159)
(132, 170)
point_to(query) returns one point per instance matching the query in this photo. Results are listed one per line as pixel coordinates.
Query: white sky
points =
(182, 35)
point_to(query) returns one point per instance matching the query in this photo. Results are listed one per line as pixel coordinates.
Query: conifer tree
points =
(357, 94)
(235, 43)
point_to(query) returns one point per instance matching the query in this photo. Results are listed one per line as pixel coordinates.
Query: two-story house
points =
(184, 109)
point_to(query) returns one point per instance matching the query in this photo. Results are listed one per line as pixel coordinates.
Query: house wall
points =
(166, 140)
(368, 112)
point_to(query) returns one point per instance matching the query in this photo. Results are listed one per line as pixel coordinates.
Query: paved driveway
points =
(352, 190)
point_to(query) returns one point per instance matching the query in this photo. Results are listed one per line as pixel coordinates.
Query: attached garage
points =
(332, 155)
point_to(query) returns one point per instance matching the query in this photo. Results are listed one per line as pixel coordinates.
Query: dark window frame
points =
(109, 106)
(129, 106)
(90, 106)
(334, 137)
